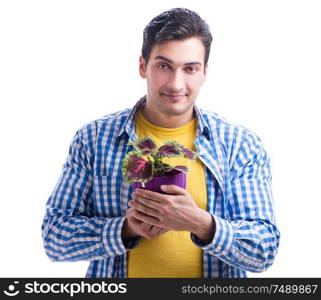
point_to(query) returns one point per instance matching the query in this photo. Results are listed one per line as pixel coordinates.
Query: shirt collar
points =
(129, 124)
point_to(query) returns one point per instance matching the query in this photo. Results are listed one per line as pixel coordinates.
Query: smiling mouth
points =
(174, 97)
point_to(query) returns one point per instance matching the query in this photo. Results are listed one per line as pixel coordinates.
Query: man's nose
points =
(176, 81)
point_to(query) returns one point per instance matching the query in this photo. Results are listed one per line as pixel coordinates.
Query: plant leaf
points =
(189, 153)
(167, 167)
(181, 168)
(146, 145)
(170, 149)
(136, 169)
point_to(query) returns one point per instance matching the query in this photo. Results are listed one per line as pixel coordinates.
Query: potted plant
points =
(144, 168)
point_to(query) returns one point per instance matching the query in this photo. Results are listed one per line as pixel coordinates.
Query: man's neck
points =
(161, 120)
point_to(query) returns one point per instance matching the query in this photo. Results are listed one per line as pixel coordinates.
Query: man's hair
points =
(176, 24)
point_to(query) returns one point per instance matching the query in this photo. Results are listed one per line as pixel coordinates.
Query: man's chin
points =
(175, 110)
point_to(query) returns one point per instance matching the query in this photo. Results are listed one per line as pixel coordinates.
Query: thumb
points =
(173, 189)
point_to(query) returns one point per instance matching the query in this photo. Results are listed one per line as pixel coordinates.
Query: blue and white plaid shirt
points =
(87, 208)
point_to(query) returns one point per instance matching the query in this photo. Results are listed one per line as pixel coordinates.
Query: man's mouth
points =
(174, 97)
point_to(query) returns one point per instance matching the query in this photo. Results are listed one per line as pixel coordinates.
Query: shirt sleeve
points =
(69, 229)
(248, 238)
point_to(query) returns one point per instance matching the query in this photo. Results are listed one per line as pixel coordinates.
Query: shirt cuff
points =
(222, 240)
(111, 237)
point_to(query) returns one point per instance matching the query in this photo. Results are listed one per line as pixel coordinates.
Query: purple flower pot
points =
(174, 177)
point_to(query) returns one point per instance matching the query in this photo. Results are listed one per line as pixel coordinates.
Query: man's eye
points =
(191, 69)
(163, 66)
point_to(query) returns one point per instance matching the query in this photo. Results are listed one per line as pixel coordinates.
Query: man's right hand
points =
(133, 227)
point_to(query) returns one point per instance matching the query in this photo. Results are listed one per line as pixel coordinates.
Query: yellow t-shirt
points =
(171, 254)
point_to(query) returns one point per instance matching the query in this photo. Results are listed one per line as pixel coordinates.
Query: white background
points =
(66, 63)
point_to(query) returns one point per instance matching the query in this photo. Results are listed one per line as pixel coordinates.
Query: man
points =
(222, 225)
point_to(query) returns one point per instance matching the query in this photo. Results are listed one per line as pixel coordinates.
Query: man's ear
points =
(205, 72)
(142, 67)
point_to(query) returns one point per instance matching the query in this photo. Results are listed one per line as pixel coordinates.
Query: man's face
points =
(175, 72)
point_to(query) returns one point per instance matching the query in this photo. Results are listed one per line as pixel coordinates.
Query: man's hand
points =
(175, 210)
(133, 227)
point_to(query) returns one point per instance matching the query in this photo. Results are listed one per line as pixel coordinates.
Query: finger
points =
(147, 202)
(162, 230)
(147, 219)
(130, 214)
(173, 189)
(158, 197)
(146, 227)
(143, 208)
(155, 231)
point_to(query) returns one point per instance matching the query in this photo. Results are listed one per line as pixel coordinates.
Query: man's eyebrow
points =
(170, 61)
